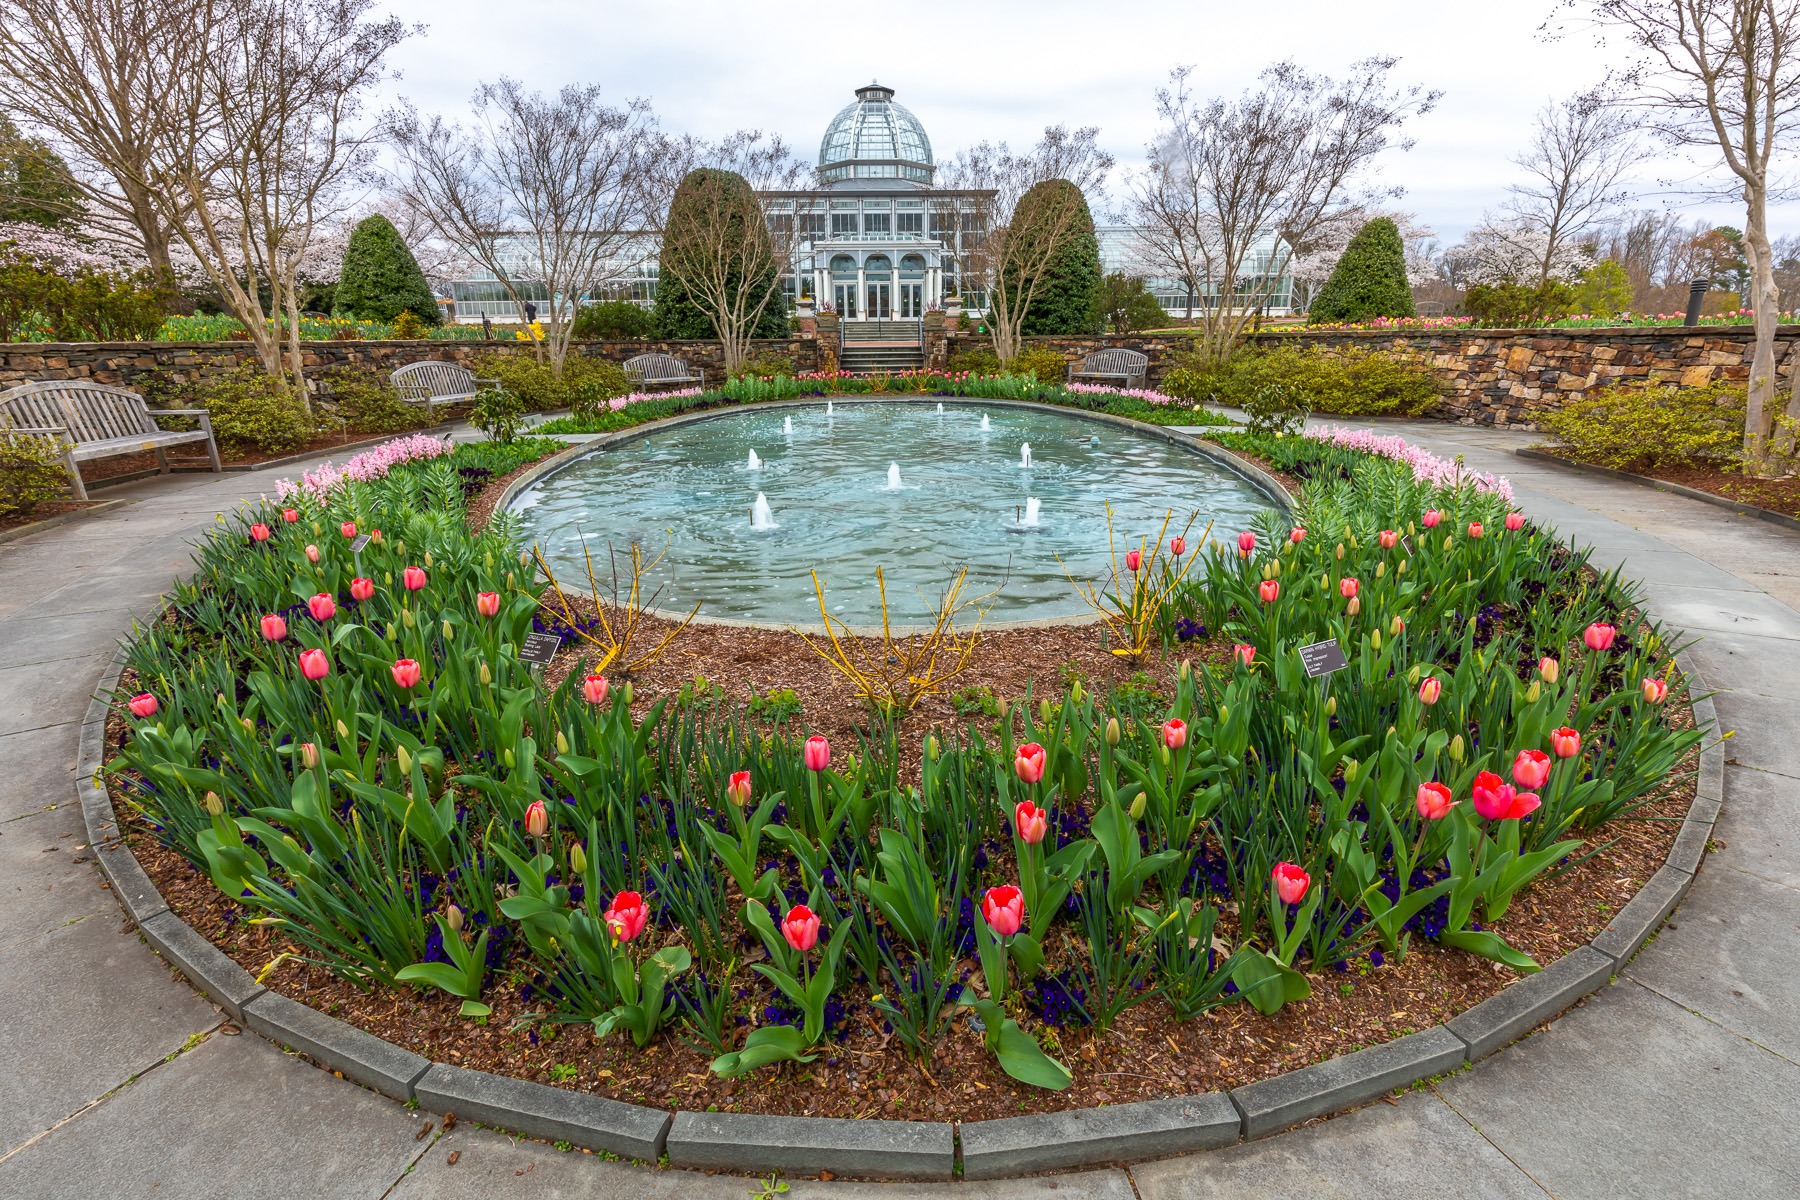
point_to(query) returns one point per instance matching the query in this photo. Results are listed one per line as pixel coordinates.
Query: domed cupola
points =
(875, 139)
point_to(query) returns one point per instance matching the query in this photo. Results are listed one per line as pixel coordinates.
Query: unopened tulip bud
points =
(509, 580)
(562, 743)
(343, 729)
(1340, 551)
(1549, 668)
(1396, 627)
(1412, 676)
(625, 694)
(1533, 692)
(1331, 706)
(1077, 693)
(486, 674)
(1351, 767)
(1187, 670)
(1044, 711)
(448, 632)
(577, 859)
(1380, 569)
(1401, 569)
(428, 558)
(406, 617)
(931, 747)
(309, 755)
(405, 761)
(1137, 806)
(1353, 605)
(1456, 748)
(1112, 731)
(213, 804)
(453, 917)
(507, 756)
(1375, 639)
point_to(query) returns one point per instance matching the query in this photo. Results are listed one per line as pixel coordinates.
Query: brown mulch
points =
(1776, 495)
(42, 512)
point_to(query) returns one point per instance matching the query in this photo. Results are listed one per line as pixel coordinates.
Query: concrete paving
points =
(1676, 1080)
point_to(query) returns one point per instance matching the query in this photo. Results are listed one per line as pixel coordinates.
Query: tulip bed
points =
(348, 745)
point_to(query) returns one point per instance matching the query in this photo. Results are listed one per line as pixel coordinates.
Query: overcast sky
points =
(1004, 69)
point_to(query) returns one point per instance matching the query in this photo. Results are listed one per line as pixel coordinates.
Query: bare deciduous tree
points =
(1232, 186)
(986, 184)
(1722, 78)
(540, 190)
(1580, 150)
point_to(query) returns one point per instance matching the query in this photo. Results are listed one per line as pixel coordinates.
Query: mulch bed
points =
(43, 512)
(184, 456)
(1776, 495)
(1147, 1054)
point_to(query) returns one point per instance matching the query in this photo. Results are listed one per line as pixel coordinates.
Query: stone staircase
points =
(873, 347)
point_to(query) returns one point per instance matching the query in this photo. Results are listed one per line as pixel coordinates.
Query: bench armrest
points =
(39, 430)
(486, 382)
(181, 412)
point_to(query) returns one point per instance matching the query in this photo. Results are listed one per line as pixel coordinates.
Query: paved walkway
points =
(1677, 1080)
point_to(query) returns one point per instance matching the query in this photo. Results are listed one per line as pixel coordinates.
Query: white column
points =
(862, 288)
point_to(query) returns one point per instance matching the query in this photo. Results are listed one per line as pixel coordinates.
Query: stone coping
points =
(1662, 485)
(881, 1149)
(1250, 473)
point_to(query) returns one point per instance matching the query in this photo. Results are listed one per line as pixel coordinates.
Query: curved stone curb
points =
(92, 510)
(1662, 485)
(899, 1149)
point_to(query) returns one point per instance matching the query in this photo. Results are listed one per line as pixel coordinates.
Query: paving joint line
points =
(1715, 1022)
(1482, 1134)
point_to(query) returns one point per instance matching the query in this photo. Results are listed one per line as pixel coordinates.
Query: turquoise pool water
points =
(962, 500)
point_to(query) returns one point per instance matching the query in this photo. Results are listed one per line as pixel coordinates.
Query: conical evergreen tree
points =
(1370, 279)
(1065, 299)
(381, 278)
(676, 313)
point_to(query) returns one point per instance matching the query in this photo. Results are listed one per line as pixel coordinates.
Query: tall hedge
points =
(1370, 279)
(676, 313)
(381, 278)
(1067, 297)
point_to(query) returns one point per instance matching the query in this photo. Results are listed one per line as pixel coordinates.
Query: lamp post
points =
(1696, 294)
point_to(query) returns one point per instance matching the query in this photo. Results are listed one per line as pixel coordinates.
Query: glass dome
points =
(875, 139)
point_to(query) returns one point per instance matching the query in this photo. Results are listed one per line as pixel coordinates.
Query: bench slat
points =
(108, 447)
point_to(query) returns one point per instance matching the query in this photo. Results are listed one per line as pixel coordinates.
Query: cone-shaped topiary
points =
(381, 279)
(1370, 279)
(1065, 301)
(713, 216)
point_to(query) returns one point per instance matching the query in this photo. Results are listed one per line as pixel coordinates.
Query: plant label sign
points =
(539, 648)
(1406, 546)
(360, 544)
(1322, 658)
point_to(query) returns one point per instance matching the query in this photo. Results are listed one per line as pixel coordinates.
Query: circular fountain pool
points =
(917, 492)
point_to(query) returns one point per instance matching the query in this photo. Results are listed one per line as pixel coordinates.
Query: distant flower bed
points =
(1739, 316)
(217, 327)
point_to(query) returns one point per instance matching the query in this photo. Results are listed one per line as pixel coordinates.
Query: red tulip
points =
(1178, 546)
(1175, 733)
(537, 819)
(414, 578)
(1430, 688)
(1245, 652)
(595, 689)
(1497, 801)
(1290, 882)
(1531, 769)
(1599, 636)
(405, 672)
(362, 589)
(1348, 587)
(1654, 690)
(1474, 529)
(348, 529)
(801, 928)
(487, 603)
(1028, 762)
(1031, 822)
(1432, 517)
(1565, 742)
(1246, 544)
(142, 705)
(1388, 538)
(1549, 668)
(1296, 534)
(626, 916)
(738, 788)
(1270, 590)
(1133, 560)
(816, 753)
(322, 607)
(312, 553)
(1515, 521)
(1434, 801)
(273, 627)
(259, 532)
(314, 665)
(1003, 908)
(290, 515)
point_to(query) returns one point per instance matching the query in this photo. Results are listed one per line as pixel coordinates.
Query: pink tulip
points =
(816, 753)
(1515, 521)
(322, 607)
(1178, 546)
(738, 788)
(362, 589)
(414, 578)
(290, 515)
(1388, 538)
(1290, 882)
(1245, 653)
(1028, 762)
(309, 755)
(1270, 590)
(1031, 822)
(1133, 560)
(1246, 544)
(260, 532)
(142, 705)
(487, 603)
(273, 627)
(801, 928)
(1497, 801)
(1295, 535)
(1549, 668)
(1175, 733)
(314, 665)
(1654, 690)
(348, 529)
(1599, 636)
(405, 672)
(626, 916)
(1348, 587)
(1474, 529)
(1432, 517)
(595, 689)
(1430, 688)
(1531, 769)
(312, 553)
(1003, 908)
(1565, 742)
(537, 819)
(1434, 801)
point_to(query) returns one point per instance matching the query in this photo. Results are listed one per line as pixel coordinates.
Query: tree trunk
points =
(1765, 300)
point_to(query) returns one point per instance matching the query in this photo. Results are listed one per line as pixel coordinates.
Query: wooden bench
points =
(1127, 366)
(434, 382)
(650, 370)
(91, 420)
